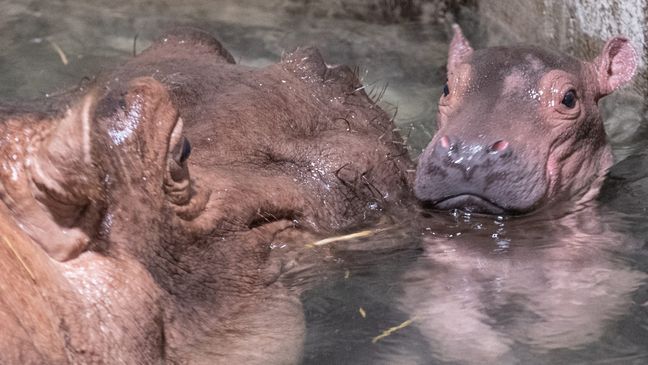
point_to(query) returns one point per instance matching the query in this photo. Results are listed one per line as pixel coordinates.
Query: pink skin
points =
(519, 128)
(510, 141)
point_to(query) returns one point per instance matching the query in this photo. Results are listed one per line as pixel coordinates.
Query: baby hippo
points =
(520, 128)
(519, 131)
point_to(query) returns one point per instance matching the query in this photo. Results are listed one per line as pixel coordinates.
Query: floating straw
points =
(347, 237)
(59, 51)
(391, 330)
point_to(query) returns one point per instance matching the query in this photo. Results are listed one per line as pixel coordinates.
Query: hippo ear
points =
(460, 49)
(616, 65)
(64, 157)
(64, 184)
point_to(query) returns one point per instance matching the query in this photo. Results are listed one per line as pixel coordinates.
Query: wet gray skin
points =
(520, 128)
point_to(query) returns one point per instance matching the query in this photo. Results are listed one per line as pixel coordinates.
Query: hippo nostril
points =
(498, 146)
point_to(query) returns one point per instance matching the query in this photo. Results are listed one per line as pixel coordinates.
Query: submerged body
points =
(512, 291)
(147, 254)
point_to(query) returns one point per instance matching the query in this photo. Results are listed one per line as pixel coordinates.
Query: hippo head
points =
(64, 170)
(187, 253)
(519, 128)
(110, 169)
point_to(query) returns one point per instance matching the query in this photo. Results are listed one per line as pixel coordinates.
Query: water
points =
(485, 290)
(537, 290)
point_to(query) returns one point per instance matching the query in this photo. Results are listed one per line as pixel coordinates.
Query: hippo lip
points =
(469, 203)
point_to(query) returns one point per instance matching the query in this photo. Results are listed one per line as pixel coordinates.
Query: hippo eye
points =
(569, 100)
(186, 150)
(121, 102)
(446, 89)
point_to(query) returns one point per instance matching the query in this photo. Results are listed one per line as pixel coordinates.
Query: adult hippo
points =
(525, 265)
(139, 213)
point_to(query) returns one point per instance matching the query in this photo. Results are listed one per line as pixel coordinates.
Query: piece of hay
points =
(363, 314)
(346, 237)
(59, 51)
(391, 330)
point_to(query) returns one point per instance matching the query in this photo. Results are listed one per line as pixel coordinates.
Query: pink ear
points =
(616, 64)
(459, 50)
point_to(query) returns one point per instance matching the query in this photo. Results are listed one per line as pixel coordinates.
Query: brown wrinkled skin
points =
(121, 250)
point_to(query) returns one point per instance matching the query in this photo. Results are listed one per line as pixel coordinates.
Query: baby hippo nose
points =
(467, 154)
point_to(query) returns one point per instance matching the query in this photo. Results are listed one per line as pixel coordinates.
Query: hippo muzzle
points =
(478, 177)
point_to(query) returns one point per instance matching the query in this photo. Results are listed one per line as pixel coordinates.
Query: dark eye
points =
(569, 100)
(186, 150)
(121, 102)
(446, 89)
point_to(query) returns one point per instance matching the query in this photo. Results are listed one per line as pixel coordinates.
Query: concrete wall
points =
(578, 27)
(375, 11)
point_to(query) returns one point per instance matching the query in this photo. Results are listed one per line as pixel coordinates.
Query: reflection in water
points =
(545, 285)
(528, 290)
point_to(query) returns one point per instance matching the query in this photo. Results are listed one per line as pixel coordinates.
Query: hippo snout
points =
(463, 173)
(468, 156)
(480, 175)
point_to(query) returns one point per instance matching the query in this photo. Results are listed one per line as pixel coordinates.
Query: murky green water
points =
(566, 290)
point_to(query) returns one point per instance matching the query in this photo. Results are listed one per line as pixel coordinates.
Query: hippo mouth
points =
(469, 203)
